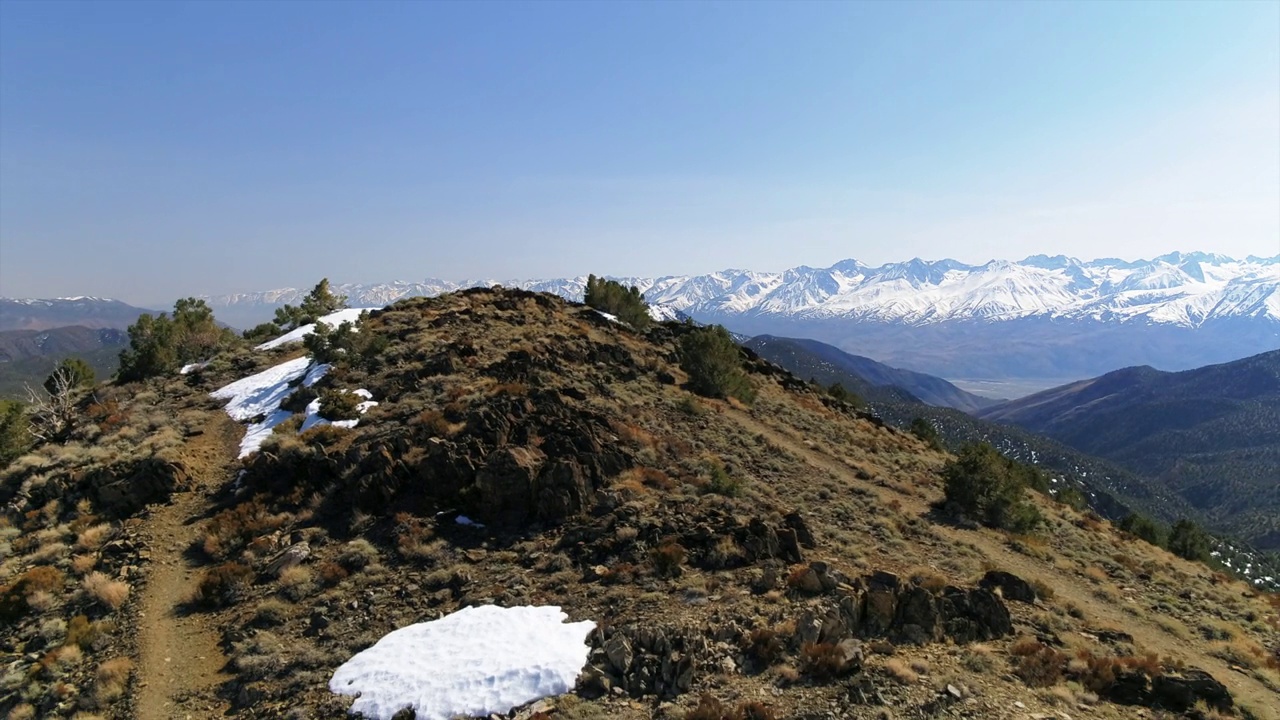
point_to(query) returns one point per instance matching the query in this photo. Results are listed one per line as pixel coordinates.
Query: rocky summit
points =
(774, 553)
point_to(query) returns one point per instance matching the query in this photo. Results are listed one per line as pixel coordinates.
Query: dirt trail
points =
(1101, 614)
(181, 664)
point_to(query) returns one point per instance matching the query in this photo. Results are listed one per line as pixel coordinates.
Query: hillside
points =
(812, 359)
(1111, 490)
(28, 356)
(46, 314)
(1211, 435)
(782, 558)
(1034, 319)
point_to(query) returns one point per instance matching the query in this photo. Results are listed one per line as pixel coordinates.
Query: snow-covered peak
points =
(1178, 288)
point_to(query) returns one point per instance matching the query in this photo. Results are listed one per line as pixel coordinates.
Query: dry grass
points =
(81, 564)
(92, 538)
(113, 679)
(111, 593)
(901, 672)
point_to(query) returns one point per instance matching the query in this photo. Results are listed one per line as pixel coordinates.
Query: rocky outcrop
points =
(1176, 691)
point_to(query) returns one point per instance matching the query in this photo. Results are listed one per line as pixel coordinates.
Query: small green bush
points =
(339, 405)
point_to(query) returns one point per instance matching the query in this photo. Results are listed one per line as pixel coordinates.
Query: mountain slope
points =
(831, 360)
(28, 356)
(64, 312)
(1110, 489)
(1212, 435)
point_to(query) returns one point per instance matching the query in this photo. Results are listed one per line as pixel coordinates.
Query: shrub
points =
(824, 661)
(901, 672)
(111, 593)
(713, 363)
(627, 304)
(839, 392)
(221, 585)
(113, 675)
(668, 558)
(262, 332)
(721, 482)
(339, 405)
(764, 645)
(983, 484)
(1038, 664)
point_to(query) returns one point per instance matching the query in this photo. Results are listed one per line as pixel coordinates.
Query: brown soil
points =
(181, 664)
(1246, 690)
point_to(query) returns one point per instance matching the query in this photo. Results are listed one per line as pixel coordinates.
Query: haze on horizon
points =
(153, 150)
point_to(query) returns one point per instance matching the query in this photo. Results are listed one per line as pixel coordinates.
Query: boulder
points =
(1011, 586)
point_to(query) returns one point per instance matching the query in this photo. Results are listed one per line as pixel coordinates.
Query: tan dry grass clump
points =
(111, 593)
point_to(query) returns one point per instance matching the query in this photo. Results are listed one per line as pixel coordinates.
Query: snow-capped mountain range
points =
(1185, 290)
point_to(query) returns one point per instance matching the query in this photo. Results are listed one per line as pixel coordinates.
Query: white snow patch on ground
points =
(607, 316)
(475, 662)
(315, 374)
(186, 369)
(261, 394)
(258, 432)
(333, 320)
(313, 417)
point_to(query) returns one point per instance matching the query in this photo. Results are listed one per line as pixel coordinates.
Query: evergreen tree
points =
(985, 485)
(15, 439)
(161, 344)
(72, 372)
(627, 304)
(714, 364)
(319, 302)
(1142, 527)
(925, 430)
(1188, 540)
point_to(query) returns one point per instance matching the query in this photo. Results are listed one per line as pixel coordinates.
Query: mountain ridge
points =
(1211, 435)
(1183, 289)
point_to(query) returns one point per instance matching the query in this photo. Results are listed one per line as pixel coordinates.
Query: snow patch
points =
(188, 369)
(350, 315)
(262, 393)
(475, 662)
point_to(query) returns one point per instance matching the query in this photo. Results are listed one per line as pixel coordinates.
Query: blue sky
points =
(151, 150)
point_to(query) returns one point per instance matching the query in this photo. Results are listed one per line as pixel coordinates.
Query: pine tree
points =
(713, 361)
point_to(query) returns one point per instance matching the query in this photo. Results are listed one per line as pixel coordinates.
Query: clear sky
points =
(151, 150)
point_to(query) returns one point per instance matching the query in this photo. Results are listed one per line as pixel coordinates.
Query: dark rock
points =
(917, 620)
(1011, 586)
(801, 528)
(1182, 691)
